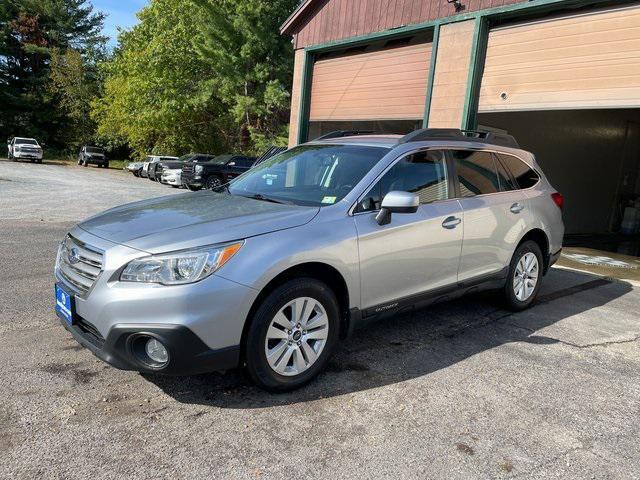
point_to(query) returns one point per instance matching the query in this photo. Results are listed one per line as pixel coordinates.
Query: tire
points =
(192, 188)
(296, 345)
(214, 181)
(515, 298)
(79, 161)
(85, 164)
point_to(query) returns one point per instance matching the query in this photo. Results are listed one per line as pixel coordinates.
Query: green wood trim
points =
(514, 11)
(431, 76)
(305, 97)
(476, 69)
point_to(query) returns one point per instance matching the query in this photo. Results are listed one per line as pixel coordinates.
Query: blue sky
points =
(120, 13)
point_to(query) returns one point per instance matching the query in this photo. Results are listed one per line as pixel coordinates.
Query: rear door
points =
(494, 213)
(416, 252)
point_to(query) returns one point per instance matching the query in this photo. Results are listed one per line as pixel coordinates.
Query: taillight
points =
(558, 199)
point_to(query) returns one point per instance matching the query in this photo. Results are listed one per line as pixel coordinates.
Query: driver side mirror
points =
(397, 202)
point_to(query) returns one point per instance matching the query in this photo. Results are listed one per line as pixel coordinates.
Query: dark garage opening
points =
(593, 158)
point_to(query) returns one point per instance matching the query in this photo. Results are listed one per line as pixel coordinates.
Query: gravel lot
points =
(462, 390)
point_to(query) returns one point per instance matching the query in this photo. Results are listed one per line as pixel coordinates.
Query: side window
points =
(423, 173)
(507, 183)
(476, 172)
(525, 176)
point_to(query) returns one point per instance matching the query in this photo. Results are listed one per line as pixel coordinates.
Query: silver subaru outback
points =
(273, 269)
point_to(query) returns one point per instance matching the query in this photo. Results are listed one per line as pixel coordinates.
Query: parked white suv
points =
(24, 148)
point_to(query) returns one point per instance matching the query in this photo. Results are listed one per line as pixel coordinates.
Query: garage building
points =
(562, 76)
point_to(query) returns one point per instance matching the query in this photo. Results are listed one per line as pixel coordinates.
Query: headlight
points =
(178, 268)
(198, 169)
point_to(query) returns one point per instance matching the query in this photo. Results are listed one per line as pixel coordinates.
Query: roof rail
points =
(343, 133)
(493, 138)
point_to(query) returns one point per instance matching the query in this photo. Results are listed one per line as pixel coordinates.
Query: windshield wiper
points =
(259, 196)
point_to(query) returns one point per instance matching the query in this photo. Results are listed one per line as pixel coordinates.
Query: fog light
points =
(156, 351)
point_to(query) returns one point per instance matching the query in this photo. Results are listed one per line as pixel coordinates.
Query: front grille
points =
(187, 169)
(79, 264)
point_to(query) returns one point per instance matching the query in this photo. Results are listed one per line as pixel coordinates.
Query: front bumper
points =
(188, 353)
(201, 323)
(28, 155)
(96, 160)
(171, 180)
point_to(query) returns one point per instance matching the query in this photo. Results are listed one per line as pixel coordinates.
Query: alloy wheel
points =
(296, 336)
(525, 277)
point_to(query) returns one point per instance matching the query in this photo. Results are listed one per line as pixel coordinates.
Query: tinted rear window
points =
(476, 172)
(524, 175)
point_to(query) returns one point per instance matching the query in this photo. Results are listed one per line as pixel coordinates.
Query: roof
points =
(295, 16)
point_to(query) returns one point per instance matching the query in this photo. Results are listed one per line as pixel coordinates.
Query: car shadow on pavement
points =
(407, 346)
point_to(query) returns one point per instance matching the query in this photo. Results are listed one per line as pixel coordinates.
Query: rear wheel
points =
(525, 276)
(292, 335)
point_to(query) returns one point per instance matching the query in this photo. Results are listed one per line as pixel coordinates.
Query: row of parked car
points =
(23, 148)
(196, 171)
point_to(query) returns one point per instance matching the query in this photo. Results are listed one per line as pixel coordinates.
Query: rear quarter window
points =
(524, 175)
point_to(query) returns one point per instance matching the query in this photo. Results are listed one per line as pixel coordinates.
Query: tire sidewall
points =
(255, 356)
(512, 302)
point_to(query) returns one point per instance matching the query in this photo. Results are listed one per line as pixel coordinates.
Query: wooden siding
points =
(294, 123)
(331, 20)
(380, 85)
(451, 75)
(583, 61)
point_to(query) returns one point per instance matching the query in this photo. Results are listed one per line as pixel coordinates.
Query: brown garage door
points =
(380, 85)
(590, 60)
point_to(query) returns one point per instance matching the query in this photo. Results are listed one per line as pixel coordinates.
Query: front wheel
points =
(213, 182)
(525, 276)
(292, 335)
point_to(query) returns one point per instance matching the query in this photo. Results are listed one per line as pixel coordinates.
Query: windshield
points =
(26, 141)
(94, 150)
(316, 175)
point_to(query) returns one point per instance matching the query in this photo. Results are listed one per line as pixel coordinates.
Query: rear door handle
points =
(516, 208)
(451, 222)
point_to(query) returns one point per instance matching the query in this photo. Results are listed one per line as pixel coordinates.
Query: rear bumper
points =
(188, 355)
(553, 258)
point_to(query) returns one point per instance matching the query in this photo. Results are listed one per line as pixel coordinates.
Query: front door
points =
(415, 252)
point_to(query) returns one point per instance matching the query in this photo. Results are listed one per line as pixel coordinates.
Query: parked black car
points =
(215, 172)
(94, 155)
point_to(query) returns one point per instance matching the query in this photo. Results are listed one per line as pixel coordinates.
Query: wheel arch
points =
(538, 236)
(324, 272)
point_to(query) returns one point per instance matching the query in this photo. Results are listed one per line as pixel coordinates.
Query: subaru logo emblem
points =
(73, 256)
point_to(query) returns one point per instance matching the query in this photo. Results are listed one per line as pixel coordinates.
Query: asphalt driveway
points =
(461, 390)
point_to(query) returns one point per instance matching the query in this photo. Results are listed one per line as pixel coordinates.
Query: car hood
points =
(190, 220)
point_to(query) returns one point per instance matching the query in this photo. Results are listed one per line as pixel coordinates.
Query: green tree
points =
(251, 65)
(154, 98)
(30, 31)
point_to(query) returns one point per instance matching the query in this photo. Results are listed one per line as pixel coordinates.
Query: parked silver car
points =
(274, 269)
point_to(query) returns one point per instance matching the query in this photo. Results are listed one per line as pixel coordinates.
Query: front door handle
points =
(516, 208)
(451, 222)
